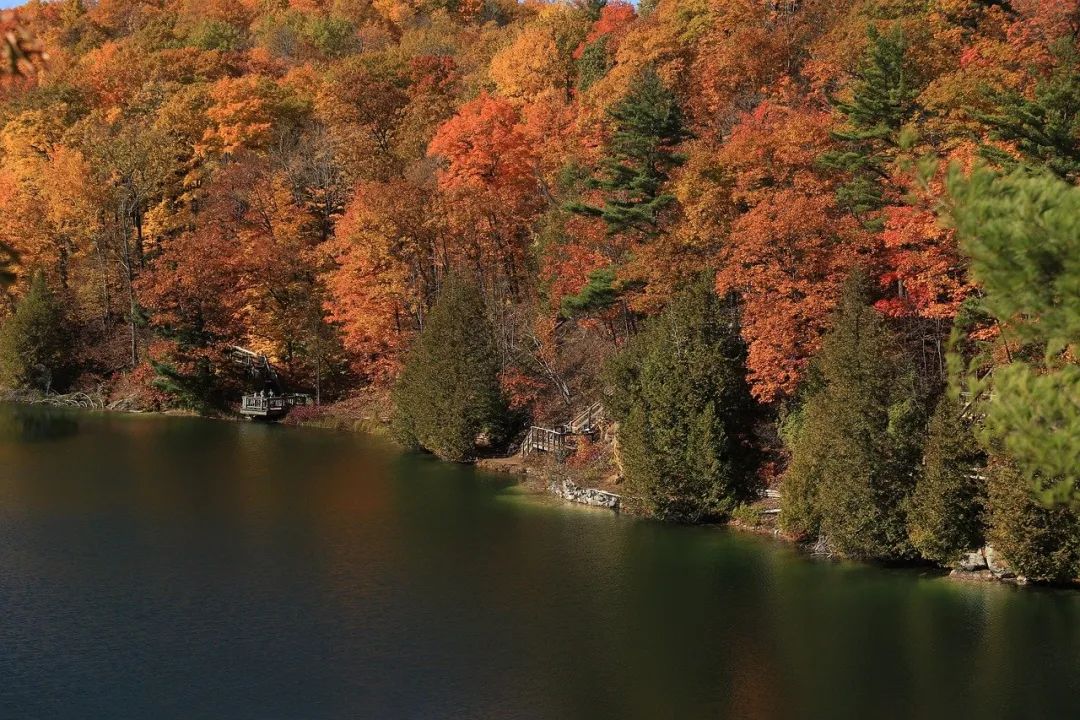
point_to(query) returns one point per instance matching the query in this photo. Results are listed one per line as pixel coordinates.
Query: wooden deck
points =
(272, 407)
(268, 408)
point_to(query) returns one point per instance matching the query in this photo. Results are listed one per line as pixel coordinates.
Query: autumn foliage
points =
(301, 177)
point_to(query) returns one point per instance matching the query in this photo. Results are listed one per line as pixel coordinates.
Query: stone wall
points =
(569, 490)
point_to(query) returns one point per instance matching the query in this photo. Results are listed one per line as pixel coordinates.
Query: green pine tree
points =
(639, 158)
(1022, 233)
(1045, 129)
(946, 517)
(1038, 542)
(593, 64)
(855, 453)
(449, 393)
(598, 295)
(882, 101)
(34, 341)
(681, 398)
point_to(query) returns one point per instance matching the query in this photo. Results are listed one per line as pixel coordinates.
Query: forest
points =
(828, 247)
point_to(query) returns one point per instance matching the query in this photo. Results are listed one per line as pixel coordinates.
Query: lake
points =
(155, 567)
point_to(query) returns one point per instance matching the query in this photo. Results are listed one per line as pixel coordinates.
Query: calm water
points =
(179, 568)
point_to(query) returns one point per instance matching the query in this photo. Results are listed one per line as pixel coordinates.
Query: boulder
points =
(996, 563)
(973, 561)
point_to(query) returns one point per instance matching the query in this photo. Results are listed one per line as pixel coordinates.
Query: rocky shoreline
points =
(983, 565)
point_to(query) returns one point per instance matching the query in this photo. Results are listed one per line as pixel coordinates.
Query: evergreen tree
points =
(448, 392)
(883, 99)
(7, 261)
(682, 401)
(946, 518)
(593, 64)
(854, 456)
(34, 340)
(639, 158)
(1022, 233)
(1038, 542)
(1045, 129)
(598, 295)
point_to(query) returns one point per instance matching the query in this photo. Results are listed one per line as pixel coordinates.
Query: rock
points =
(997, 564)
(972, 562)
(569, 490)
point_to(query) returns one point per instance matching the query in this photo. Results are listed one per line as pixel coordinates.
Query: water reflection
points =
(37, 424)
(184, 568)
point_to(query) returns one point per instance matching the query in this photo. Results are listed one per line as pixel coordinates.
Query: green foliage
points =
(682, 401)
(591, 8)
(7, 262)
(593, 64)
(34, 341)
(855, 452)
(945, 519)
(883, 99)
(329, 36)
(449, 390)
(1022, 233)
(1046, 128)
(639, 158)
(598, 294)
(191, 390)
(218, 35)
(747, 515)
(1038, 542)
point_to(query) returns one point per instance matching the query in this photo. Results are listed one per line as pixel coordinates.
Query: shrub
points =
(1038, 542)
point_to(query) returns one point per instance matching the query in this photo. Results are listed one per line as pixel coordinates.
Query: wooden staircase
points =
(554, 440)
(588, 421)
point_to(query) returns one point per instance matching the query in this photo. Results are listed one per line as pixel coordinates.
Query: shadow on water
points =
(37, 424)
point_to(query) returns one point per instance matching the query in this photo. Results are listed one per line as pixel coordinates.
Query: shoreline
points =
(536, 479)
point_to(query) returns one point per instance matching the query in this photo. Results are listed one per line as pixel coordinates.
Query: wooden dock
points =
(264, 407)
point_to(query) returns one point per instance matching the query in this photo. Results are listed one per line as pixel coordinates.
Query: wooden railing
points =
(587, 421)
(257, 403)
(543, 440)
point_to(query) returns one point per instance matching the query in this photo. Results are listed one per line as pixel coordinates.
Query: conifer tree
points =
(34, 340)
(1038, 542)
(639, 158)
(7, 262)
(593, 63)
(448, 392)
(883, 99)
(1045, 129)
(854, 456)
(1022, 233)
(598, 294)
(680, 395)
(946, 518)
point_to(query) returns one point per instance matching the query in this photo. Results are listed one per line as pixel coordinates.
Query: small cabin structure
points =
(260, 406)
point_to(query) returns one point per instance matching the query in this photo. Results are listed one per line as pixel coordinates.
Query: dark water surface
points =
(180, 568)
